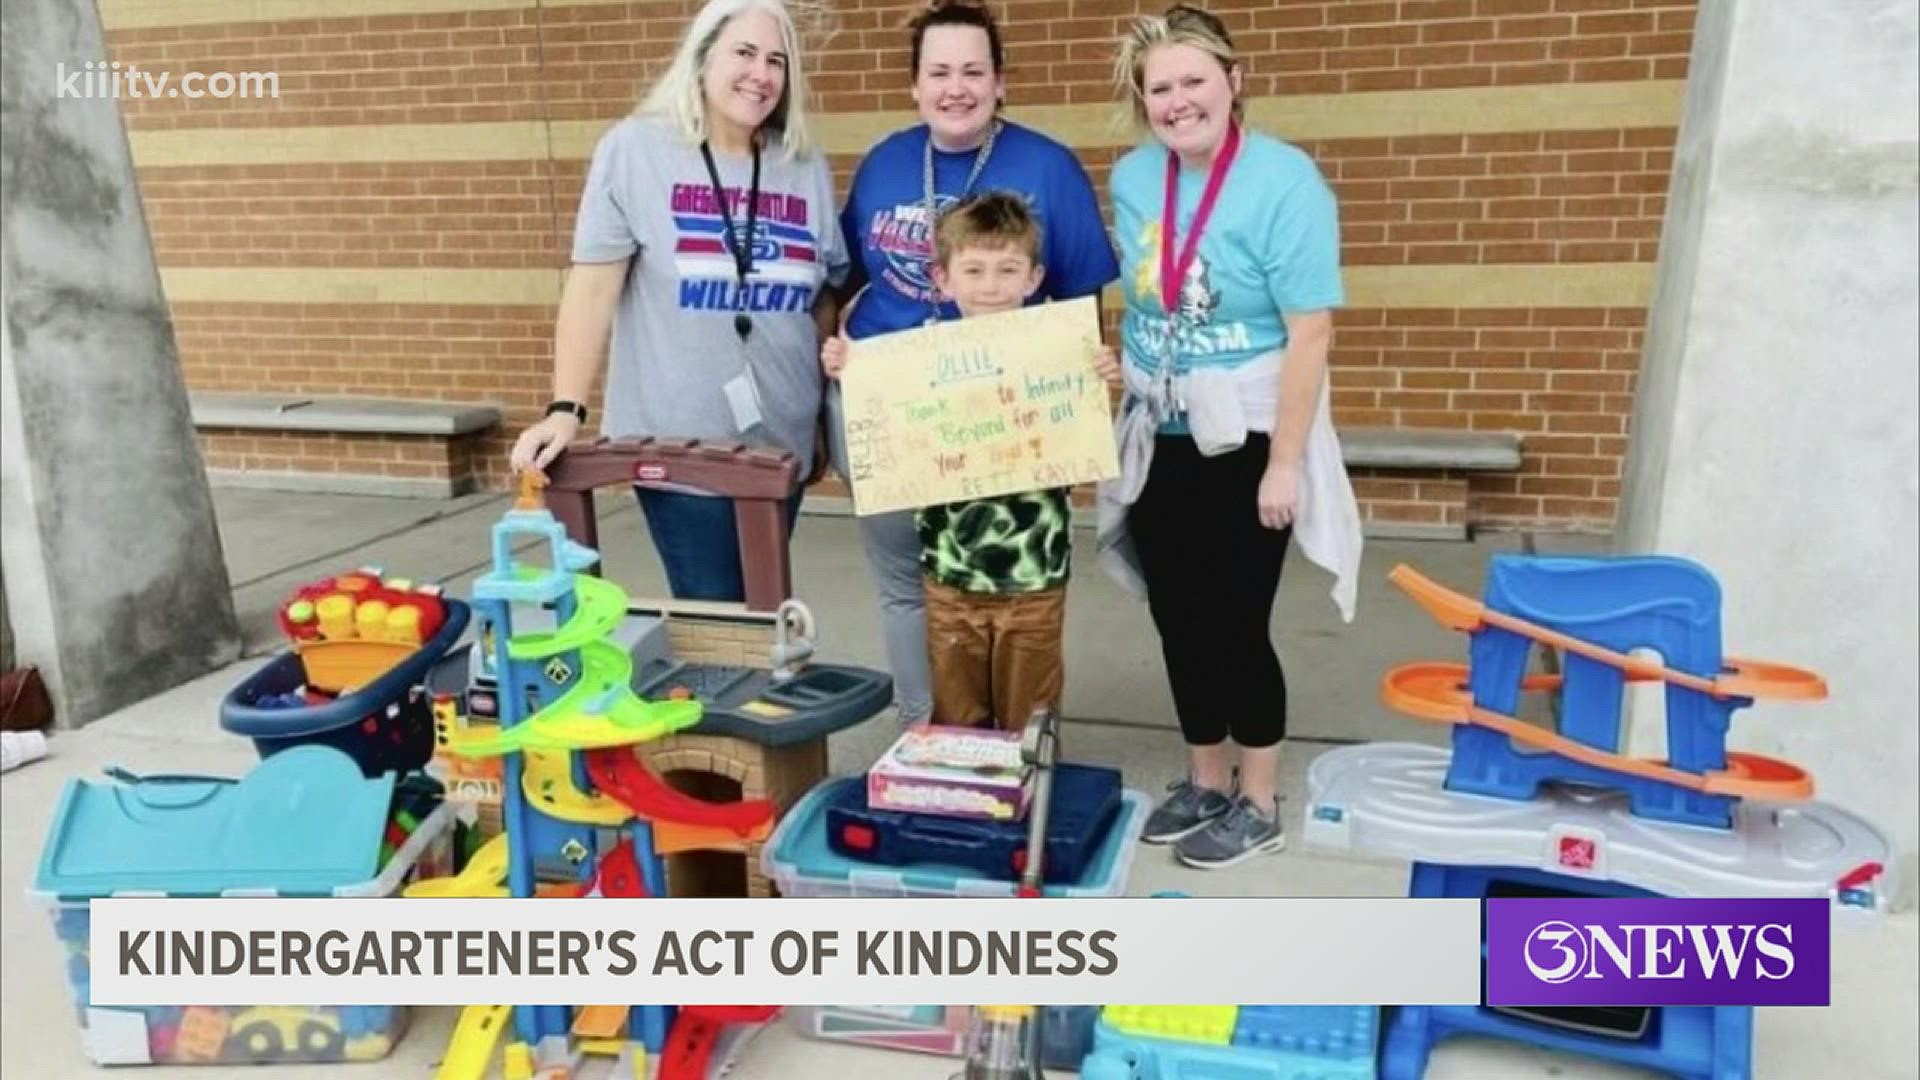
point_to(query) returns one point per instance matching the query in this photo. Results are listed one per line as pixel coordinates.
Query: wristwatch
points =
(578, 410)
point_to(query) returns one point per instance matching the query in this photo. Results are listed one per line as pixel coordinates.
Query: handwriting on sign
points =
(979, 407)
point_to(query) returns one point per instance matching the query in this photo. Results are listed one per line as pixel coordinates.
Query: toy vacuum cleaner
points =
(1004, 1042)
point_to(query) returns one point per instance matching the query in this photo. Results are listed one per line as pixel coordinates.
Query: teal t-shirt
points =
(1271, 247)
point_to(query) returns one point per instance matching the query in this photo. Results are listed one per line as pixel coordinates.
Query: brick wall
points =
(338, 176)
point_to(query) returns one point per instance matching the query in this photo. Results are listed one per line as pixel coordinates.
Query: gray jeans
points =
(893, 556)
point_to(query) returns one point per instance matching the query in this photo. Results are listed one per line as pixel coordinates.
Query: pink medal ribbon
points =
(1173, 271)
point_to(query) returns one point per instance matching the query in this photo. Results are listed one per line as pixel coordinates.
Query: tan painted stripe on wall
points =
(1626, 285)
(508, 140)
(136, 14)
(1472, 111)
(347, 285)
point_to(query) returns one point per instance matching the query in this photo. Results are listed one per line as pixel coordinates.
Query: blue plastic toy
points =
(1599, 616)
(385, 726)
(1599, 619)
(1690, 1042)
(1268, 1042)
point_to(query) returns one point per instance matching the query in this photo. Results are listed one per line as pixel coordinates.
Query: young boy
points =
(995, 569)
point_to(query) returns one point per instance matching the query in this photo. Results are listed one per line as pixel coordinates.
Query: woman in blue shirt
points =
(962, 145)
(1230, 245)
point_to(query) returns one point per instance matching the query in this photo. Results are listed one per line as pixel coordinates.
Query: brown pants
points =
(995, 658)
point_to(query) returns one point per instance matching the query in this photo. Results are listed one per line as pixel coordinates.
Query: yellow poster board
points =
(972, 408)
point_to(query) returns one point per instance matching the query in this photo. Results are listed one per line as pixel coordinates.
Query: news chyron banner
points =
(960, 951)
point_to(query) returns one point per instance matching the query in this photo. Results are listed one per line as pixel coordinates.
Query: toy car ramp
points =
(1438, 692)
(1744, 678)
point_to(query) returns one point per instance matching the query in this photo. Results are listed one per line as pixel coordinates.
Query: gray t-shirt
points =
(675, 349)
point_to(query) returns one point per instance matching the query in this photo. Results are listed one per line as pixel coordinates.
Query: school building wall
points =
(395, 222)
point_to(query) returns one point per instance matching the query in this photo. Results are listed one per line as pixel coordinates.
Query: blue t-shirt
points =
(1272, 246)
(886, 226)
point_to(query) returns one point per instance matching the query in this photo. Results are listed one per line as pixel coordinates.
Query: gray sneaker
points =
(1234, 837)
(1187, 810)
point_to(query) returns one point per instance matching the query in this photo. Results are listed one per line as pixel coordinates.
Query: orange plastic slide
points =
(1745, 677)
(1435, 691)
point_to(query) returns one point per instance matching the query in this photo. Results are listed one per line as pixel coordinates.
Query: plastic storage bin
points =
(230, 1034)
(1066, 1031)
(800, 862)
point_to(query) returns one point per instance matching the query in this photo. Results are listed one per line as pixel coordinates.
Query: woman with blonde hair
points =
(704, 253)
(1230, 263)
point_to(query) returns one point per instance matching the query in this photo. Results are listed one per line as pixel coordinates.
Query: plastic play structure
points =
(758, 479)
(1517, 808)
(569, 725)
(767, 703)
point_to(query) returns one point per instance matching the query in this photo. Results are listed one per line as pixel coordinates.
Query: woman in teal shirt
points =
(1230, 263)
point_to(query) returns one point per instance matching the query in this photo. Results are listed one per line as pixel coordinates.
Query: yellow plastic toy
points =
(518, 1063)
(1211, 1024)
(485, 877)
(470, 1050)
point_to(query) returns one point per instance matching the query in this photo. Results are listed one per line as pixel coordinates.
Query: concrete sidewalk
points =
(1119, 714)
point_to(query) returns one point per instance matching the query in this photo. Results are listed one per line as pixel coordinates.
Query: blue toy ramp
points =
(1624, 603)
(302, 823)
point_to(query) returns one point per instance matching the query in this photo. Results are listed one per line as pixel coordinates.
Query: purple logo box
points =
(1593, 951)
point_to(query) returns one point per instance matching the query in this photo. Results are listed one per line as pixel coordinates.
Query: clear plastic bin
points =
(799, 861)
(238, 1034)
(1066, 1031)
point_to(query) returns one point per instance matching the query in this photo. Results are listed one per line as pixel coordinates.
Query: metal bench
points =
(348, 445)
(1397, 501)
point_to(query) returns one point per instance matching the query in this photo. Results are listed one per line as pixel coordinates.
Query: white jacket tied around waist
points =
(1222, 405)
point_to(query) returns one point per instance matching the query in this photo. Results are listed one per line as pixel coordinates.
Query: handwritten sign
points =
(972, 408)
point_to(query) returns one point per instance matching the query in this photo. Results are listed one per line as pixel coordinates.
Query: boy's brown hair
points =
(994, 219)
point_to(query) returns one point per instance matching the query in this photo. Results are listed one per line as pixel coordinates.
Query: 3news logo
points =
(1581, 951)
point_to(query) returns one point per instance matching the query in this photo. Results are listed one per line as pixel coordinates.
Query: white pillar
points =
(1774, 436)
(115, 583)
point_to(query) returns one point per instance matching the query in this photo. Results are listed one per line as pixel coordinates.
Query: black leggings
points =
(1212, 571)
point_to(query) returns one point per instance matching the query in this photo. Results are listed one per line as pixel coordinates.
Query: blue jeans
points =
(699, 544)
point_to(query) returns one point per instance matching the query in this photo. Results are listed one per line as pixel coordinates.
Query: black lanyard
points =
(741, 250)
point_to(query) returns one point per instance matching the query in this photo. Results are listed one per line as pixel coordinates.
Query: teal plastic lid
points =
(304, 822)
